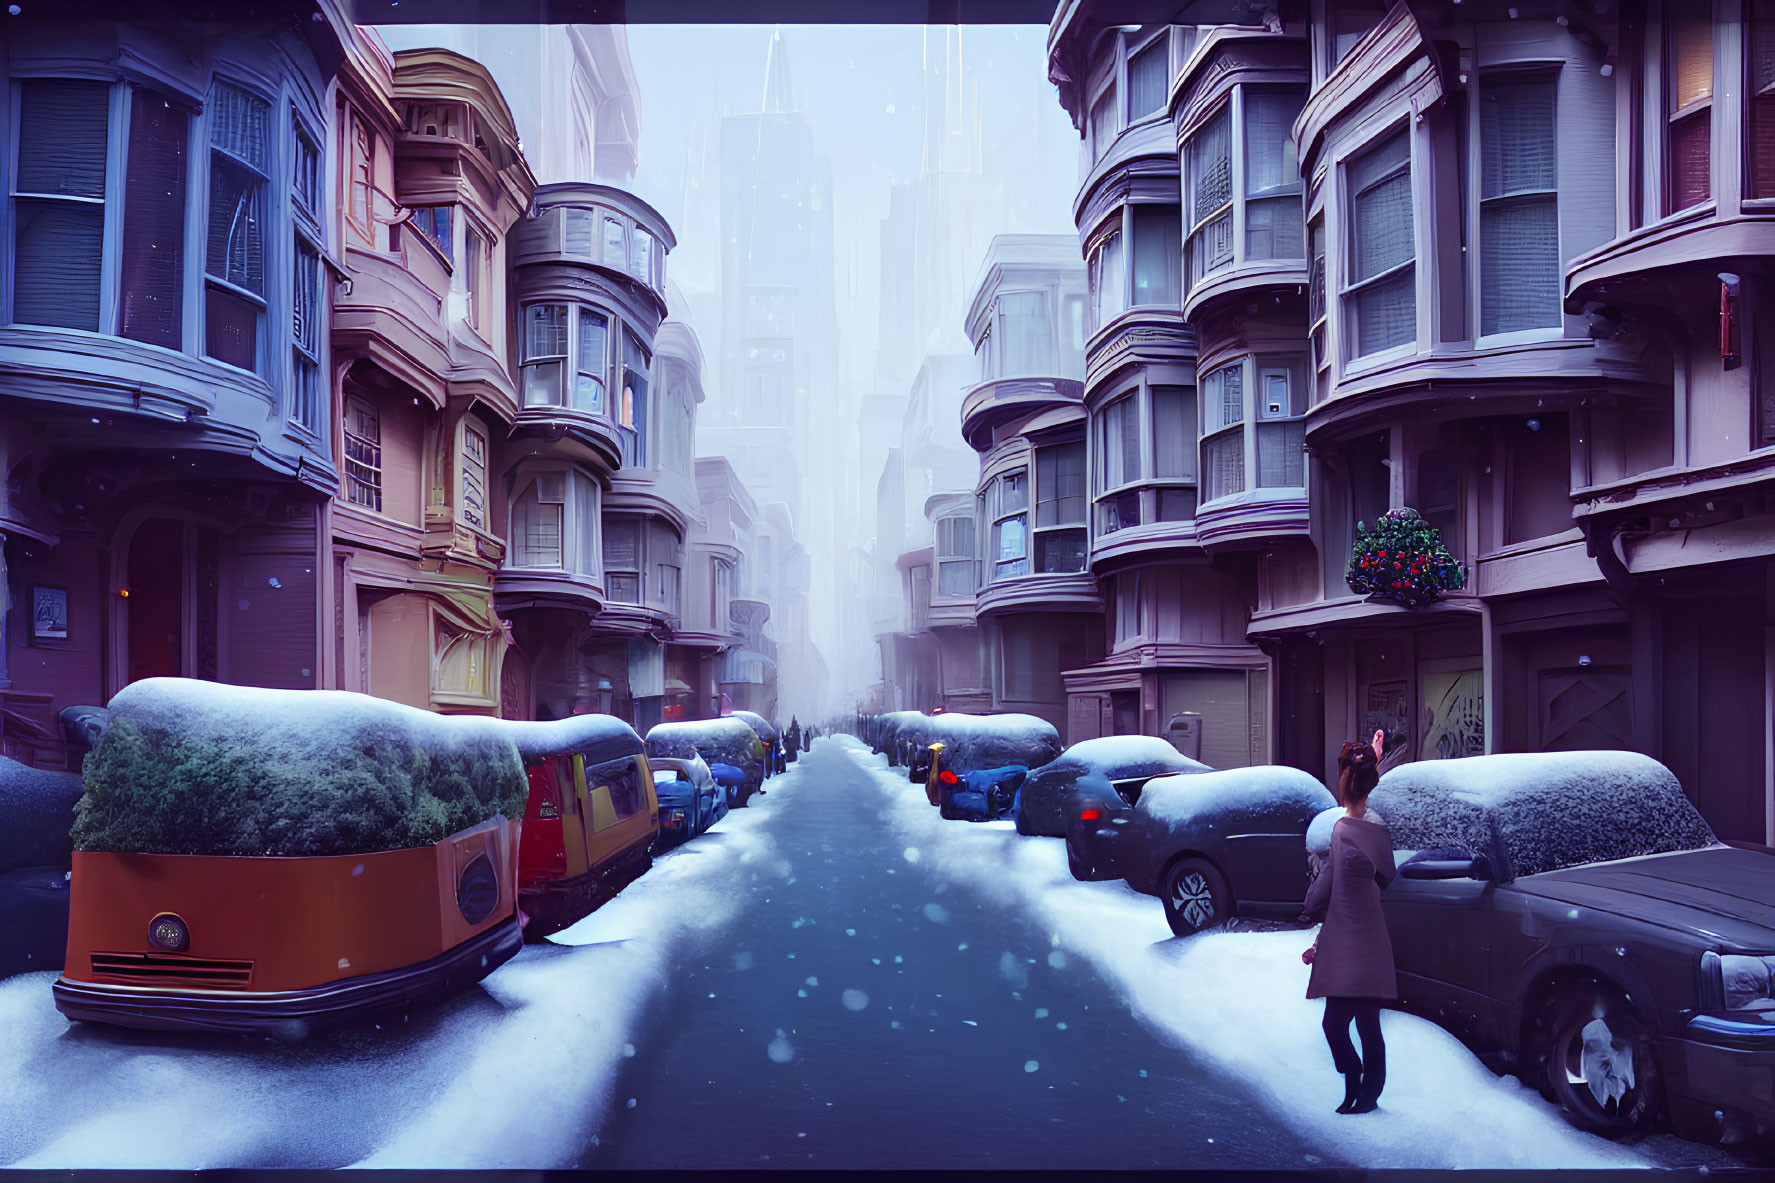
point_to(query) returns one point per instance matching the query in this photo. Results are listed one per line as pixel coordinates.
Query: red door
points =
(156, 590)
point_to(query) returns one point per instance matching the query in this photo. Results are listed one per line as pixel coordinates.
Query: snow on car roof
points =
(597, 737)
(1319, 832)
(36, 813)
(1544, 810)
(1176, 800)
(728, 738)
(972, 742)
(757, 722)
(1136, 754)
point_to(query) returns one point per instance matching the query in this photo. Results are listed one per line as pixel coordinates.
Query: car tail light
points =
(1090, 815)
(947, 777)
(675, 818)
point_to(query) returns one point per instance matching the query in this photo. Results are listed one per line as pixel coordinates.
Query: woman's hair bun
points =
(1362, 756)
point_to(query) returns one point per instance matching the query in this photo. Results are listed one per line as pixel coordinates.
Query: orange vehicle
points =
(273, 860)
(591, 820)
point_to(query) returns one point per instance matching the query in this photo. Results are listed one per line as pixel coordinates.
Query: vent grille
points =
(162, 969)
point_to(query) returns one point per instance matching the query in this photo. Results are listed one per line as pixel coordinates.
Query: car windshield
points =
(1536, 812)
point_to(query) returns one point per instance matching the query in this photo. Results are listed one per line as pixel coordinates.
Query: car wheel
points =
(1195, 896)
(1598, 1063)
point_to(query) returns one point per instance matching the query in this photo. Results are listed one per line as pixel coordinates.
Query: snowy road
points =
(833, 977)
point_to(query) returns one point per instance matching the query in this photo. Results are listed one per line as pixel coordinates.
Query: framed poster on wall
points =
(49, 615)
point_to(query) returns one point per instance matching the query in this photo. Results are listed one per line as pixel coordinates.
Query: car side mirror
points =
(1451, 867)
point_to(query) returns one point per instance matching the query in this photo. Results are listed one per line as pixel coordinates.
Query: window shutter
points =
(57, 251)
(61, 137)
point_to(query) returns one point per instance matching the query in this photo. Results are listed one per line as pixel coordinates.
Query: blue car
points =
(689, 799)
(732, 782)
(981, 796)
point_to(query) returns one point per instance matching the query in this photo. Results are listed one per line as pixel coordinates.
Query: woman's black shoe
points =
(1365, 1105)
(1352, 1089)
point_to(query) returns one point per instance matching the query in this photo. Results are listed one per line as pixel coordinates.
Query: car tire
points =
(1195, 895)
(1564, 1068)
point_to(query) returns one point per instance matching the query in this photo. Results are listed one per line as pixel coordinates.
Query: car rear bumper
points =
(1093, 855)
(338, 1002)
(1720, 1068)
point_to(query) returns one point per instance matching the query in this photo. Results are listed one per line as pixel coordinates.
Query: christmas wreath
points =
(1402, 559)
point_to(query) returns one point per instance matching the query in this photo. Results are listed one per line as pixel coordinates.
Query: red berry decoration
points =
(1420, 569)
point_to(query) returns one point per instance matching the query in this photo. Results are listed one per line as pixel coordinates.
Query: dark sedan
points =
(1572, 918)
(1127, 761)
(1210, 845)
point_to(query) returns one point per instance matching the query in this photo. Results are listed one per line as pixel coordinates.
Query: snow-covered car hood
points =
(1721, 891)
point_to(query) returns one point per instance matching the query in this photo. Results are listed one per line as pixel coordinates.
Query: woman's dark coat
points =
(1355, 954)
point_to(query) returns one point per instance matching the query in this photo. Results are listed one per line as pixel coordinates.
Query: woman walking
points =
(1352, 959)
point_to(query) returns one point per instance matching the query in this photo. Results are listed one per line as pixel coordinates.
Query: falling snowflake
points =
(1030, 1065)
(855, 1000)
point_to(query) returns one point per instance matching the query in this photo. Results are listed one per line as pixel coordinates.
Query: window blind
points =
(1520, 272)
(1174, 432)
(1146, 80)
(58, 242)
(1280, 461)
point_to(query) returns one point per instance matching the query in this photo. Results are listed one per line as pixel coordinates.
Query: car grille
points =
(161, 969)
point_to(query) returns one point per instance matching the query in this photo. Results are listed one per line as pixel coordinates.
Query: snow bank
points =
(1237, 1000)
(517, 1073)
(1264, 788)
(36, 813)
(726, 740)
(192, 767)
(1122, 756)
(1541, 811)
(601, 737)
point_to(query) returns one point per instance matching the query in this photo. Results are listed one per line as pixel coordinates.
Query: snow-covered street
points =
(834, 977)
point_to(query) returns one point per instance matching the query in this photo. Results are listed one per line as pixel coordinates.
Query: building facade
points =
(1504, 269)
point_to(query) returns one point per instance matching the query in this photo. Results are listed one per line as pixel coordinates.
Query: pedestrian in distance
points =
(1352, 958)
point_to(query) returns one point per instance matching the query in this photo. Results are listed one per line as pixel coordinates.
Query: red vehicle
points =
(591, 820)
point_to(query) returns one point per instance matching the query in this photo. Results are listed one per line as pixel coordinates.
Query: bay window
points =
(955, 556)
(636, 361)
(1223, 437)
(1380, 288)
(622, 560)
(473, 503)
(1272, 175)
(1147, 70)
(1060, 509)
(234, 264)
(152, 280)
(1007, 507)
(1027, 333)
(1119, 464)
(545, 354)
(58, 202)
(1210, 188)
(1519, 259)
(1103, 122)
(1281, 426)
(1688, 93)
(1158, 254)
(1760, 36)
(1108, 282)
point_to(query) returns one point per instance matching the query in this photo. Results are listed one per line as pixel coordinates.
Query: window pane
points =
(1103, 121)
(1211, 169)
(1146, 79)
(1028, 333)
(1177, 505)
(305, 300)
(1270, 161)
(1761, 32)
(588, 386)
(1273, 229)
(1012, 539)
(1229, 386)
(1072, 326)
(1118, 511)
(1280, 461)
(434, 223)
(1690, 154)
(236, 241)
(1316, 276)
(57, 263)
(1383, 227)
(542, 383)
(1386, 315)
(536, 531)
(545, 331)
(1158, 254)
(1516, 138)
(1060, 551)
(955, 579)
(231, 328)
(1691, 61)
(1060, 485)
(1013, 492)
(1223, 464)
(1520, 270)
(61, 137)
(237, 125)
(585, 512)
(1174, 432)
(304, 167)
(1107, 281)
(622, 545)
(151, 282)
(615, 249)
(641, 256)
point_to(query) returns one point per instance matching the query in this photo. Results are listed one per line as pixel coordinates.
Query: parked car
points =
(689, 799)
(981, 796)
(768, 734)
(957, 744)
(249, 859)
(591, 819)
(1571, 917)
(726, 740)
(1126, 761)
(1210, 845)
(36, 856)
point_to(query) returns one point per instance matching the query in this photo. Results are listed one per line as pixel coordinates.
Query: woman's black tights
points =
(1371, 1066)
